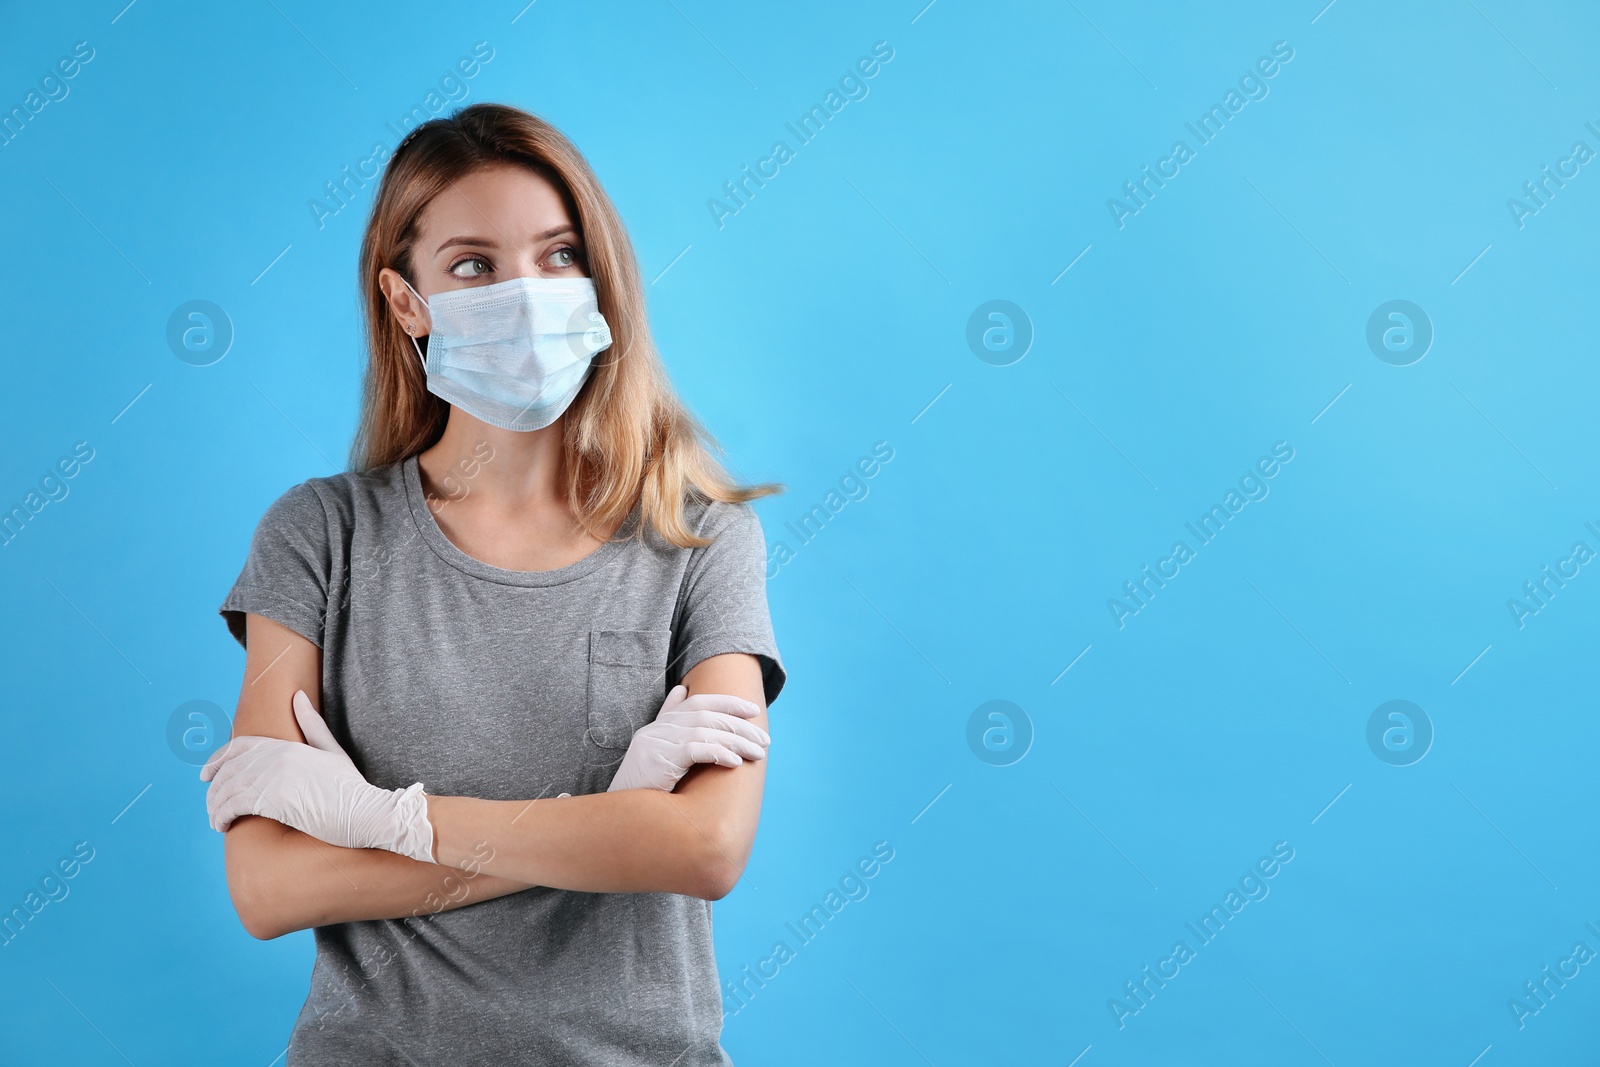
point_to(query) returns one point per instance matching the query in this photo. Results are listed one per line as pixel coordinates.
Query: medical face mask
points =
(515, 353)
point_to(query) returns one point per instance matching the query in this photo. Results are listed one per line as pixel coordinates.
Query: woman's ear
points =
(405, 303)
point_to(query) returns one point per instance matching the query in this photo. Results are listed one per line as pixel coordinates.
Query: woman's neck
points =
(509, 470)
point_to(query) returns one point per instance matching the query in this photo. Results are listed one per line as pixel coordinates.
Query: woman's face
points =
(499, 222)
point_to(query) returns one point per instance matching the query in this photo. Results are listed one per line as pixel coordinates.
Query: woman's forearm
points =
(628, 841)
(282, 880)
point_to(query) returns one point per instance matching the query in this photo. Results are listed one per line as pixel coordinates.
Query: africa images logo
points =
(1252, 86)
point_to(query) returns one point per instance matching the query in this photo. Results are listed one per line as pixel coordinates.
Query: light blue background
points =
(831, 313)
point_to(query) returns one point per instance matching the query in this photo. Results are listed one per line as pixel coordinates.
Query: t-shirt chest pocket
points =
(627, 682)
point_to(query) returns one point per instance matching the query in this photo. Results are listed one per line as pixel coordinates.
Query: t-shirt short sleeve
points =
(724, 598)
(286, 574)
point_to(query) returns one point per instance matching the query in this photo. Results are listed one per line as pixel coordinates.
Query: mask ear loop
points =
(409, 327)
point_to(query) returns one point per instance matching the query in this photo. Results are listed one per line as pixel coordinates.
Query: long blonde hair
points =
(627, 436)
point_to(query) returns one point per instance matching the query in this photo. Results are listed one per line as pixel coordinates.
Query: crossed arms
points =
(694, 840)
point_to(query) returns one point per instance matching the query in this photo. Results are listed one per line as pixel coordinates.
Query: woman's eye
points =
(471, 259)
(570, 254)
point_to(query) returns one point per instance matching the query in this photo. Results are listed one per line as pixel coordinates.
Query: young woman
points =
(456, 752)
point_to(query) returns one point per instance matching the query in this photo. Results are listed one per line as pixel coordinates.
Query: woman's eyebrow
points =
(484, 242)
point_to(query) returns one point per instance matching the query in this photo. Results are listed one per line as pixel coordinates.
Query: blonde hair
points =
(627, 436)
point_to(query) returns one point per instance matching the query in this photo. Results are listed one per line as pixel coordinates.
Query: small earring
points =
(410, 328)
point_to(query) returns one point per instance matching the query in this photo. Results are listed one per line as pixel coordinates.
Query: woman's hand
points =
(316, 789)
(704, 728)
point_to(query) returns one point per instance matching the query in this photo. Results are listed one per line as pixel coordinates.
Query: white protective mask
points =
(514, 353)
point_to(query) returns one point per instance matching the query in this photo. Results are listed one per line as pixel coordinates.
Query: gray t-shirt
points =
(506, 685)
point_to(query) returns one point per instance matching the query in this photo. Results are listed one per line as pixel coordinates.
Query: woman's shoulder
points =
(707, 516)
(334, 500)
(721, 522)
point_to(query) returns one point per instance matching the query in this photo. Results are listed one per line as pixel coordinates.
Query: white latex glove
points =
(704, 728)
(316, 789)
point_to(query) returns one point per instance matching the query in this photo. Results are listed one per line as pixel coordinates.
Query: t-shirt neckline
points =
(446, 549)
